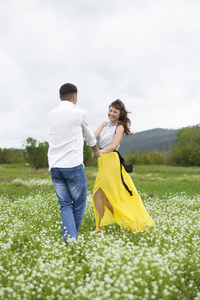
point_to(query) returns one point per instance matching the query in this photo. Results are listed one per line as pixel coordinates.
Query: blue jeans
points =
(71, 187)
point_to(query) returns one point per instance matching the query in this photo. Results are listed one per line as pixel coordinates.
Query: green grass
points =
(159, 180)
(162, 180)
(11, 187)
(162, 263)
(10, 171)
(154, 180)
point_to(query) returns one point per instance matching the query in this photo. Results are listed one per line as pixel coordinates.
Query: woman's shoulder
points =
(101, 127)
(103, 124)
(120, 127)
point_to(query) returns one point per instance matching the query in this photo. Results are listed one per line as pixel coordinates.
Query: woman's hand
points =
(96, 155)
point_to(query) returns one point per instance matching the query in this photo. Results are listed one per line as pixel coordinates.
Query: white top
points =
(107, 135)
(68, 124)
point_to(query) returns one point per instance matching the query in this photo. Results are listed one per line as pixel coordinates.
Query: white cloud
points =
(143, 52)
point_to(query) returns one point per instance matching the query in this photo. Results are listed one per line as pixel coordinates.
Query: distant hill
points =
(154, 139)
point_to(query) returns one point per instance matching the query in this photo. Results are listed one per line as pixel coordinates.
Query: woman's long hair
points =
(123, 119)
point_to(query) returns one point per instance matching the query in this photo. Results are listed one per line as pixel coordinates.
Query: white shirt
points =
(68, 124)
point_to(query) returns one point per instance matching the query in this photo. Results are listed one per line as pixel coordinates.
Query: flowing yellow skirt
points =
(128, 211)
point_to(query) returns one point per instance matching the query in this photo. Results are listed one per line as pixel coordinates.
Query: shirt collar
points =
(63, 103)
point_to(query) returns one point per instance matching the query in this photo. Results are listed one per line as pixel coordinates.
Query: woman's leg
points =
(99, 200)
(107, 203)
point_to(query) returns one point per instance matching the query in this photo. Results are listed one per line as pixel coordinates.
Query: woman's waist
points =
(102, 146)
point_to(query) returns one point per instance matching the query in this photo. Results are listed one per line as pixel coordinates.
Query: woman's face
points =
(113, 114)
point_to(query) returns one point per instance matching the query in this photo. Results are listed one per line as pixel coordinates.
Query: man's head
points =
(68, 92)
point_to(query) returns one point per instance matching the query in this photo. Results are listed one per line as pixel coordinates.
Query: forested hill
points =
(154, 139)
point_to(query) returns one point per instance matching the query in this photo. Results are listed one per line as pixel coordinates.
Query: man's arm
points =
(89, 136)
(96, 153)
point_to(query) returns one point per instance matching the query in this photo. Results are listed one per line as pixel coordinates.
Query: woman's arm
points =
(117, 140)
(98, 131)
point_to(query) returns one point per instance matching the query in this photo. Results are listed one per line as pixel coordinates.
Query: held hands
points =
(95, 151)
(96, 154)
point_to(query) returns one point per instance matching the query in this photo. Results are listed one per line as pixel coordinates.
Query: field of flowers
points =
(162, 263)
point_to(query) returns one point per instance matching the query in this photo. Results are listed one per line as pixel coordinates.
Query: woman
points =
(115, 198)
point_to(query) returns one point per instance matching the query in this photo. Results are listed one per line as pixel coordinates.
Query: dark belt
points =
(128, 168)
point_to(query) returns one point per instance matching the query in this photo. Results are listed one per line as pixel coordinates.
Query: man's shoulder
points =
(81, 111)
(68, 109)
(54, 111)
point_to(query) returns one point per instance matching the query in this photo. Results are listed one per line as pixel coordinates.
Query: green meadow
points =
(161, 263)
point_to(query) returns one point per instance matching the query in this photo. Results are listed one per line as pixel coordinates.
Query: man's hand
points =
(96, 154)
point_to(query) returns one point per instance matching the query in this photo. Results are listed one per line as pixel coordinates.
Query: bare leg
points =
(99, 200)
(107, 203)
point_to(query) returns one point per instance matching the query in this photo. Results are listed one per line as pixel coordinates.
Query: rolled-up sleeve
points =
(87, 131)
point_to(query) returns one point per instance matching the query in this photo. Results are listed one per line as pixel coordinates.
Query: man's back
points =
(66, 136)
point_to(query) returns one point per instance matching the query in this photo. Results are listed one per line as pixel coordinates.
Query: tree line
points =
(34, 153)
(185, 152)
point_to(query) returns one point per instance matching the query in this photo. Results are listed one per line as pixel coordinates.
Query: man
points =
(68, 125)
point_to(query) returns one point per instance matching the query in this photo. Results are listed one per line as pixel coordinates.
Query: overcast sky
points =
(144, 52)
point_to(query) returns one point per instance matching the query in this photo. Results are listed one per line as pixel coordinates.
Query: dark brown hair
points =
(67, 90)
(123, 119)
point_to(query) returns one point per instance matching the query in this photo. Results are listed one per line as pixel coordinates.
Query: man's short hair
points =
(67, 90)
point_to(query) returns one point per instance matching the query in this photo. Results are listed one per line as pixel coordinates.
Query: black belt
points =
(128, 168)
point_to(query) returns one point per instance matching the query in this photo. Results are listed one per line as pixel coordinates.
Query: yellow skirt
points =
(128, 211)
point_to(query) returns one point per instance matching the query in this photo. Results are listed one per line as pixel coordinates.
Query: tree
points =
(157, 158)
(133, 158)
(87, 154)
(11, 156)
(36, 153)
(186, 152)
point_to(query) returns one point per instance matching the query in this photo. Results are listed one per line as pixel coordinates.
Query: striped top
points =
(107, 135)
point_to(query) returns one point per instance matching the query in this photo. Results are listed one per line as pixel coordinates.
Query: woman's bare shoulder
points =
(120, 128)
(103, 124)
